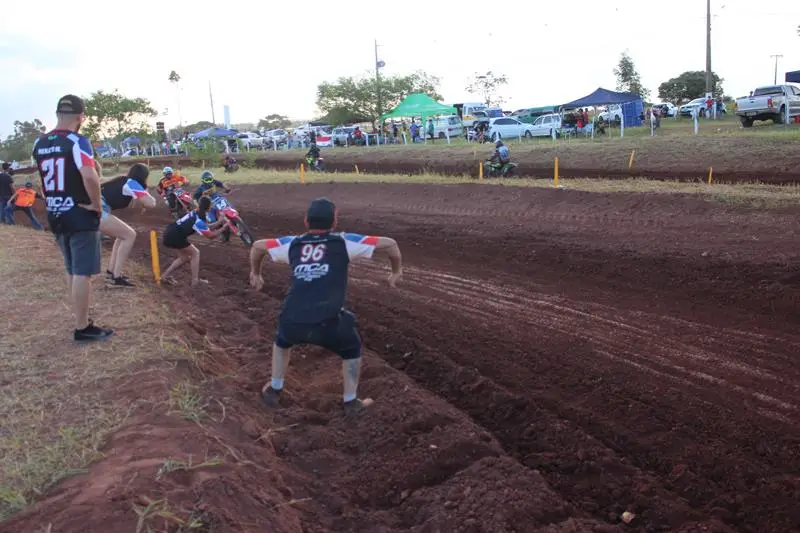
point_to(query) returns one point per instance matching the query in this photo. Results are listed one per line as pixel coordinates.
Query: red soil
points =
(552, 360)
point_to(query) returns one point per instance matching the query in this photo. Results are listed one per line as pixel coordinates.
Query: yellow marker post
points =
(302, 173)
(480, 170)
(710, 175)
(555, 174)
(357, 172)
(154, 256)
(630, 161)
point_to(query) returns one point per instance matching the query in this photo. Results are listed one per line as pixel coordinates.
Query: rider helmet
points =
(167, 171)
(498, 143)
(207, 177)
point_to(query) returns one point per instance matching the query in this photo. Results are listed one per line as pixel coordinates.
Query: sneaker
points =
(121, 281)
(356, 407)
(271, 397)
(92, 333)
(109, 275)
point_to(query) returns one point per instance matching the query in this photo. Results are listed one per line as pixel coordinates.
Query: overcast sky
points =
(265, 57)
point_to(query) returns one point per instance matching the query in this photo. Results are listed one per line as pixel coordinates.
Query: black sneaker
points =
(121, 281)
(92, 333)
(109, 275)
(356, 407)
(271, 397)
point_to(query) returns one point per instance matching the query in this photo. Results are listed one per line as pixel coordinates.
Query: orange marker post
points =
(555, 173)
(710, 175)
(302, 174)
(154, 256)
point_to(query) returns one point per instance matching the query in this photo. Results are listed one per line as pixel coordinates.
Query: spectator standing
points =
(6, 190)
(71, 187)
(22, 200)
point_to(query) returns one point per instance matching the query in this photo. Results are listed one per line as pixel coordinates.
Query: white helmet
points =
(167, 171)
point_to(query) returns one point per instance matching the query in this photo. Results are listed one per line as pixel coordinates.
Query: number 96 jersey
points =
(319, 263)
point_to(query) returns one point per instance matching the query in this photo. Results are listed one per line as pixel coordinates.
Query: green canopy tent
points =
(419, 105)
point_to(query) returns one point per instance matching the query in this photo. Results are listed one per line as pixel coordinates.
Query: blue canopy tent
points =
(631, 104)
(131, 140)
(793, 77)
(215, 132)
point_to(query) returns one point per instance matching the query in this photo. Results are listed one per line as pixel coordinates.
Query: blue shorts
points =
(106, 209)
(81, 251)
(338, 335)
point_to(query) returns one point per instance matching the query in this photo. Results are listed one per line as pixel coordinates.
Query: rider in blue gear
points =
(209, 187)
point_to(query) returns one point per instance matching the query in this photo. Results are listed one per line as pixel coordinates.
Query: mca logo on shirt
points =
(311, 271)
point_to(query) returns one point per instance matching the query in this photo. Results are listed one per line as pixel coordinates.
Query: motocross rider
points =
(501, 155)
(209, 187)
(312, 157)
(170, 180)
(228, 162)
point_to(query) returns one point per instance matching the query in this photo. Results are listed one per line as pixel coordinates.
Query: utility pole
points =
(776, 56)
(709, 79)
(378, 65)
(211, 97)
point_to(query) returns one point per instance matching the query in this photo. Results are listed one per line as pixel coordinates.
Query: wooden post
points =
(480, 170)
(357, 172)
(710, 175)
(630, 161)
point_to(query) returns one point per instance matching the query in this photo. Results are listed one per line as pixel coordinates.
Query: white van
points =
(448, 125)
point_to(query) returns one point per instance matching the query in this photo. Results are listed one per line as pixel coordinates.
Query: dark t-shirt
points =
(6, 185)
(60, 155)
(319, 265)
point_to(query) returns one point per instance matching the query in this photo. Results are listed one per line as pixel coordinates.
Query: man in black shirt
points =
(6, 190)
(314, 309)
(71, 188)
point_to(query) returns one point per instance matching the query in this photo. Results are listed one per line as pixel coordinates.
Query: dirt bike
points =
(318, 166)
(233, 167)
(498, 170)
(183, 203)
(233, 221)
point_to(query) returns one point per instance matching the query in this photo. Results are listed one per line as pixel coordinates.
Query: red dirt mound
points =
(552, 360)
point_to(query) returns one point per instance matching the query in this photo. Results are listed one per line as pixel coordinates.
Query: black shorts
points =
(338, 335)
(175, 240)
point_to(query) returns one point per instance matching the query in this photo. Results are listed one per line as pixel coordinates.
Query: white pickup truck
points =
(769, 103)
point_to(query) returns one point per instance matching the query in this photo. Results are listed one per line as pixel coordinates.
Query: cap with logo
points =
(71, 105)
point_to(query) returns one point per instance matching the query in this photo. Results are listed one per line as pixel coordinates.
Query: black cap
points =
(321, 213)
(71, 105)
(6, 165)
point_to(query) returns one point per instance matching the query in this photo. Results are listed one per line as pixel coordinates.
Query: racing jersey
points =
(319, 263)
(170, 182)
(119, 192)
(188, 225)
(207, 190)
(60, 155)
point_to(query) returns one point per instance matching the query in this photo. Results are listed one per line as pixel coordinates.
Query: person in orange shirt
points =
(170, 180)
(22, 200)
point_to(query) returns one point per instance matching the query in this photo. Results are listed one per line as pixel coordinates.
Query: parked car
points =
(508, 128)
(251, 140)
(769, 103)
(666, 109)
(448, 125)
(278, 136)
(546, 125)
(612, 113)
(699, 104)
(343, 135)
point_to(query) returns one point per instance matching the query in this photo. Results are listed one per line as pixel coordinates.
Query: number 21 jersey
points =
(59, 156)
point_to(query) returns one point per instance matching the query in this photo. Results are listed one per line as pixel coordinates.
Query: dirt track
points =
(553, 359)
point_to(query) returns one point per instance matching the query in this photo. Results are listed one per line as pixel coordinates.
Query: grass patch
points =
(57, 402)
(746, 194)
(156, 516)
(175, 465)
(186, 400)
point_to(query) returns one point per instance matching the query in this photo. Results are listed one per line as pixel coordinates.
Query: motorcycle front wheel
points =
(244, 233)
